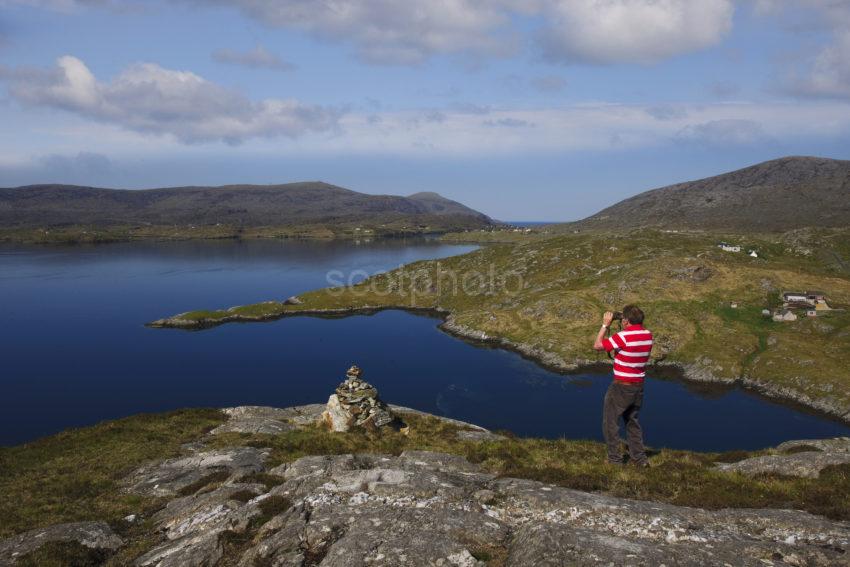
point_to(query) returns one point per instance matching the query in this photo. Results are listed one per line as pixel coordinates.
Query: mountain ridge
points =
(776, 195)
(303, 203)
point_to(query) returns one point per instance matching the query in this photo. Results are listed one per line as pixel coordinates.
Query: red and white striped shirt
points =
(633, 345)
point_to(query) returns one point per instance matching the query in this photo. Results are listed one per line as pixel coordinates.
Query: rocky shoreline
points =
(684, 371)
(227, 505)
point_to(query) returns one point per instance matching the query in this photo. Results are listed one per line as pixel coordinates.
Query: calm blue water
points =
(75, 351)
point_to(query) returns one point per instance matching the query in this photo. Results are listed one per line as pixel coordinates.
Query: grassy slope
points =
(568, 280)
(73, 476)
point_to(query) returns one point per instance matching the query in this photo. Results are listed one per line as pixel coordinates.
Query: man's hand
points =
(607, 318)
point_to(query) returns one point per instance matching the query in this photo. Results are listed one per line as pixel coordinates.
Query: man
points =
(624, 398)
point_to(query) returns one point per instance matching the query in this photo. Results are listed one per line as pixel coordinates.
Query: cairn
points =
(356, 404)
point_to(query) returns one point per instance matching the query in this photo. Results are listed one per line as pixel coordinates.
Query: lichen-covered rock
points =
(95, 535)
(193, 525)
(197, 549)
(169, 477)
(832, 445)
(807, 464)
(221, 509)
(424, 508)
(255, 419)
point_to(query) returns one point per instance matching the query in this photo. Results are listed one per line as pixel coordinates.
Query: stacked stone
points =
(356, 404)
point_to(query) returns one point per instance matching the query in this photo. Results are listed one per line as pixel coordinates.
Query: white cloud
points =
(589, 31)
(257, 58)
(148, 98)
(595, 127)
(388, 31)
(410, 32)
(829, 72)
(636, 31)
(824, 73)
(449, 132)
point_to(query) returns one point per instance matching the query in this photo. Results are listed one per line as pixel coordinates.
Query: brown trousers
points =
(623, 400)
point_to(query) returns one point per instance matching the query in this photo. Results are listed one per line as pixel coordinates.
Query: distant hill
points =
(303, 204)
(777, 195)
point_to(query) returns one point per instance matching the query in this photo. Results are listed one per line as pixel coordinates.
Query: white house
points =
(754, 254)
(729, 247)
(795, 297)
(784, 315)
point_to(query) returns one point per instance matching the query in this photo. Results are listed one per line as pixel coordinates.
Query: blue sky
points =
(526, 110)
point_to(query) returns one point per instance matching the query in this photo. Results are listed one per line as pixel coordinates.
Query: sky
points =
(544, 110)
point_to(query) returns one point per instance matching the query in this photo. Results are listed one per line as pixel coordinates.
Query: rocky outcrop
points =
(173, 476)
(94, 535)
(423, 508)
(807, 464)
(268, 420)
(831, 445)
(803, 458)
(193, 526)
(356, 404)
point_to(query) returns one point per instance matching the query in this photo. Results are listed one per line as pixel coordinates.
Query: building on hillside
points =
(765, 312)
(794, 296)
(804, 300)
(811, 313)
(754, 254)
(784, 315)
(733, 305)
(729, 247)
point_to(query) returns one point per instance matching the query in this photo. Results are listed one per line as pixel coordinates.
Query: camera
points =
(618, 316)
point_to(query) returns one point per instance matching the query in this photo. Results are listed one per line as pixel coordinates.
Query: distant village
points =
(811, 303)
(794, 303)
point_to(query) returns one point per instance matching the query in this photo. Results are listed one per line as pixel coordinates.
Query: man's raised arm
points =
(600, 336)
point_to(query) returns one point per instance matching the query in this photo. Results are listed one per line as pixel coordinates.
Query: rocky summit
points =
(356, 404)
(228, 506)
